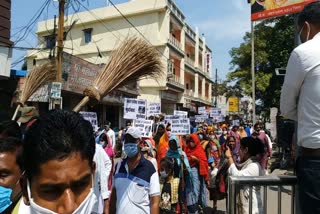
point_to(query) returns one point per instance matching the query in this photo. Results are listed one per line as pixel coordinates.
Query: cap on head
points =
(134, 132)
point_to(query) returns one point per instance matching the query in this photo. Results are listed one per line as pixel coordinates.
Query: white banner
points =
(145, 126)
(91, 117)
(180, 113)
(134, 109)
(180, 126)
(202, 110)
(154, 109)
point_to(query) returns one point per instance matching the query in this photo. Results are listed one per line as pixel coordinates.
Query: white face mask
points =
(87, 205)
(225, 132)
(299, 36)
(163, 174)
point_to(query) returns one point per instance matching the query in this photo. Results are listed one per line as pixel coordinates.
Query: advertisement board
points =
(233, 104)
(262, 9)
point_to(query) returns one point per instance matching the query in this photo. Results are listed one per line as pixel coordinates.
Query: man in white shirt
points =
(300, 101)
(111, 136)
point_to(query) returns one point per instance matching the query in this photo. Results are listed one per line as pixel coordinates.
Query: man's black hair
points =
(254, 145)
(11, 144)
(56, 136)
(10, 128)
(310, 13)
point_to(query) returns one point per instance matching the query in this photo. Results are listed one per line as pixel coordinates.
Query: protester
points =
(136, 183)
(213, 171)
(196, 193)
(28, 116)
(249, 166)
(242, 132)
(163, 144)
(147, 151)
(170, 188)
(263, 157)
(224, 136)
(111, 135)
(231, 143)
(11, 169)
(300, 101)
(58, 156)
(234, 132)
(10, 128)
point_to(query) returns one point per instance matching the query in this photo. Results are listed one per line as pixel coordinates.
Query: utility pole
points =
(216, 90)
(253, 75)
(54, 34)
(60, 40)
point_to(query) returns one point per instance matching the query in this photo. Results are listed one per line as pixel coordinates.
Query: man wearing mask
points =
(58, 156)
(136, 182)
(300, 101)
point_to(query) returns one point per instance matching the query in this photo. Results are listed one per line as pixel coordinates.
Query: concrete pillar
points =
(204, 58)
(196, 61)
(182, 70)
(210, 92)
(183, 38)
(196, 85)
(203, 89)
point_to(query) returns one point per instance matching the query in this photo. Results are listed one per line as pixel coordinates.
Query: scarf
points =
(198, 152)
(162, 148)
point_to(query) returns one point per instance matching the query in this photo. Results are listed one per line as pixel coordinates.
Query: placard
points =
(180, 126)
(91, 117)
(236, 123)
(215, 112)
(154, 109)
(200, 118)
(168, 118)
(134, 109)
(202, 110)
(145, 127)
(55, 91)
(181, 113)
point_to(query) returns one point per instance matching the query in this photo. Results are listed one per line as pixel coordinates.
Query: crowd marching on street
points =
(66, 166)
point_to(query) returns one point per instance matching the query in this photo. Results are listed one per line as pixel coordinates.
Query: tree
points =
(274, 41)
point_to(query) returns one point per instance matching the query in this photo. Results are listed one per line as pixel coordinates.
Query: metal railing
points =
(236, 183)
(175, 42)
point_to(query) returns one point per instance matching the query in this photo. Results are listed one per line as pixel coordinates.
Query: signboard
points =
(77, 74)
(215, 112)
(233, 104)
(200, 118)
(145, 127)
(134, 109)
(202, 110)
(181, 113)
(55, 91)
(218, 119)
(91, 117)
(169, 118)
(262, 9)
(154, 109)
(236, 123)
(180, 126)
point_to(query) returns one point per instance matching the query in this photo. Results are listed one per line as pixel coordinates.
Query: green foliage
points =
(274, 41)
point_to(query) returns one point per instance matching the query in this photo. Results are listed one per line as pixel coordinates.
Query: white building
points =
(186, 57)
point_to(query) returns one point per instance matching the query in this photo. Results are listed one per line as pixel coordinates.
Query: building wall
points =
(5, 43)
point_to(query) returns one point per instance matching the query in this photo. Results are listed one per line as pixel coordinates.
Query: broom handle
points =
(83, 102)
(16, 112)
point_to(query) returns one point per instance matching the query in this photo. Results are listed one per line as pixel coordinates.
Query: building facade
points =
(92, 35)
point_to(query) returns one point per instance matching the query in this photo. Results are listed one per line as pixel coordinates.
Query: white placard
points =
(145, 127)
(202, 110)
(200, 118)
(236, 123)
(180, 113)
(180, 126)
(215, 112)
(169, 118)
(134, 109)
(154, 109)
(218, 119)
(91, 117)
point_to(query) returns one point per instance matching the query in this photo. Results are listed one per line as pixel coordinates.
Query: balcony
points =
(189, 93)
(175, 44)
(176, 11)
(190, 63)
(175, 81)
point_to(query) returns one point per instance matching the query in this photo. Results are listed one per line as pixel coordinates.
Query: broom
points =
(133, 60)
(37, 77)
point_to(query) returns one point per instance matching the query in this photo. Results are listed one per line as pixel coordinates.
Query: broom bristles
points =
(37, 77)
(134, 60)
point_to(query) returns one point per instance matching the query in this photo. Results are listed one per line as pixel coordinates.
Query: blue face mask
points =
(131, 149)
(5, 198)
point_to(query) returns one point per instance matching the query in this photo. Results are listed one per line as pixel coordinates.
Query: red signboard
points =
(262, 9)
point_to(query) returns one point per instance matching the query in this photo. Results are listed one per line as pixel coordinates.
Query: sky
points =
(223, 23)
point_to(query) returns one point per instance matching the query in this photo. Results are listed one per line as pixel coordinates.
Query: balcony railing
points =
(189, 62)
(189, 93)
(175, 11)
(176, 43)
(176, 80)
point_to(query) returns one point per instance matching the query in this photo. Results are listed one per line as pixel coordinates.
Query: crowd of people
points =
(57, 163)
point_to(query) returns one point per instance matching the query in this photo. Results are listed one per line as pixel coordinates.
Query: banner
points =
(180, 126)
(154, 109)
(145, 127)
(134, 109)
(181, 113)
(262, 9)
(91, 117)
(233, 104)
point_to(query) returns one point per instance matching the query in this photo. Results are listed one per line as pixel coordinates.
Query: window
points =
(87, 35)
(50, 41)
